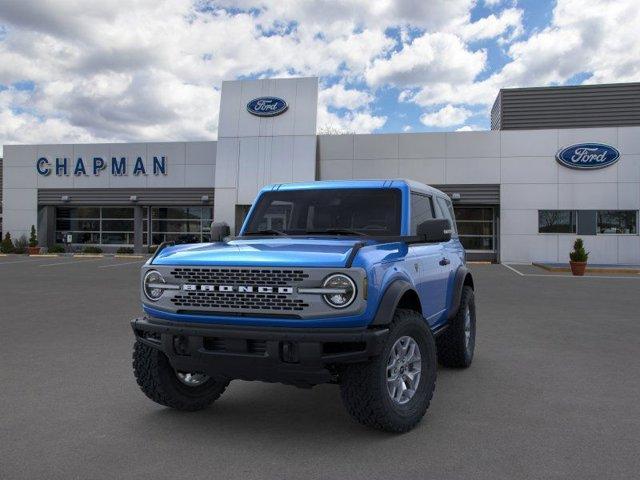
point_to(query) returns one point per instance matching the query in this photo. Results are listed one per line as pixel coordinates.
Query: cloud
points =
(469, 128)
(358, 122)
(509, 22)
(598, 39)
(447, 116)
(433, 57)
(340, 97)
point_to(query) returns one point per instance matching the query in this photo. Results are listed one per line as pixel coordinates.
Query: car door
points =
(425, 259)
(453, 254)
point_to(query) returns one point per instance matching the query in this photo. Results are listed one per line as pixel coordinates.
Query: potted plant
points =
(33, 249)
(578, 258)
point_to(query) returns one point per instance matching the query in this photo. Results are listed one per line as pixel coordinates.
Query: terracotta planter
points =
(578, 268)
(33, 250)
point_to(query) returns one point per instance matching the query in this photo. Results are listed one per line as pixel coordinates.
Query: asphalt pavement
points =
(554, 391)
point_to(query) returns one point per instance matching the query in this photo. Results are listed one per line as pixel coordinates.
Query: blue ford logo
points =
(267, 106)
(588, 156)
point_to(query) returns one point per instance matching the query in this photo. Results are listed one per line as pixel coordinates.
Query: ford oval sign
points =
(588, 156)
(267, 106)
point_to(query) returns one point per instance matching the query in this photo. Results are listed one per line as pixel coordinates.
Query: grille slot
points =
(253, 347)
(239, 301)
(239, 276)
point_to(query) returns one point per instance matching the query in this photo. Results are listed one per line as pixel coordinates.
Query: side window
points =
(421, 210)
(447, 210)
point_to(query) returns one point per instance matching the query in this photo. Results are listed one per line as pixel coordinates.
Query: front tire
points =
(379, 393)
(162, 384)
(457, 343)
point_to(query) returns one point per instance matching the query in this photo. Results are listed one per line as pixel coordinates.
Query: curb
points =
(606, 270)
(123, 255)
(88, 255)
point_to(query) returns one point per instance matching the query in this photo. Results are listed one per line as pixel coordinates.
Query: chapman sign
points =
(118, 166)
(267, 106)
(588, 156)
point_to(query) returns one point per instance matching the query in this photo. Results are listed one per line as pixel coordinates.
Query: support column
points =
(137, 229)
(46, 226)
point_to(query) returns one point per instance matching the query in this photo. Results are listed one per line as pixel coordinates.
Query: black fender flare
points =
(462, 275)
(390, 300)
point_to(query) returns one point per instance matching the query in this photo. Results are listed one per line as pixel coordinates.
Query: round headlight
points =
(152, 285)
(344, 290)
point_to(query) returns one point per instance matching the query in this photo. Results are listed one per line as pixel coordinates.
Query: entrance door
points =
(477, 229)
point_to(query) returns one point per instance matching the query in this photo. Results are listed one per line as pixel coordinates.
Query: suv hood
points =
(272, 252)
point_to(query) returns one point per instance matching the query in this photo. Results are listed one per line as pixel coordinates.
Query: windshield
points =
(357, 211)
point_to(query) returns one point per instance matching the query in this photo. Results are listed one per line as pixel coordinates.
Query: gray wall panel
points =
(567, 107)
(121, 196)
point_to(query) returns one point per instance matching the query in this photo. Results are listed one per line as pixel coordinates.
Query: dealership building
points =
(559, 162)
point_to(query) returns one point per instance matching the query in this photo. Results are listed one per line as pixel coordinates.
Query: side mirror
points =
(219, 230)
(435, 230)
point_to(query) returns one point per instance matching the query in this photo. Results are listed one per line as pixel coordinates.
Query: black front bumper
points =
(301, 357)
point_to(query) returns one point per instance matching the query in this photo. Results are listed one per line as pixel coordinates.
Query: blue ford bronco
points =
(358, 283)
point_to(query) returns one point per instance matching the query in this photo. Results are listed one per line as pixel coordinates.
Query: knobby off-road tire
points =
(159, 381)
(457, 343)
(363, 386)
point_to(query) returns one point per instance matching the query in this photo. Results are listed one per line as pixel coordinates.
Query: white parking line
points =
(73, 262)
(550, 275)
(513, 269)
(34, 260)
(121, 264)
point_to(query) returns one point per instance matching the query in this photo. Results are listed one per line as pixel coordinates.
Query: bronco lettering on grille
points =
(237, 289)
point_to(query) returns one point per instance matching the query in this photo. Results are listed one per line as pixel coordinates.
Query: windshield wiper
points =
(268, 231)
(338, 231)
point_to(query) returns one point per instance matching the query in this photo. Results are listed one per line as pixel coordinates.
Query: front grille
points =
(238, 301)
(239, 276)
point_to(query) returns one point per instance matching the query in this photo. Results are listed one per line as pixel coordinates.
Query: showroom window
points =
(95, 225)
(556, 221)
(476, 228)
(618, 222)
(180, 224)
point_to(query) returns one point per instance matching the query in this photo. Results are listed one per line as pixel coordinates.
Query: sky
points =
(74, 71)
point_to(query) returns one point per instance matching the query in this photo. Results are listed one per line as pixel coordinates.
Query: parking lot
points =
(553, 392)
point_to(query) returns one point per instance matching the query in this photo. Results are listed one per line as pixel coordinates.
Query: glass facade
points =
(115, 225)
(476, 228)
(180, 224)
(95, 225)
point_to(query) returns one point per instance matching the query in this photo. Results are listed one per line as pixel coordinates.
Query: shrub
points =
(33, 238)
(579, 254)
(20, 245)
(91, 249)
(57, 248)
(125, 250)
(153, 248)
(7, 244)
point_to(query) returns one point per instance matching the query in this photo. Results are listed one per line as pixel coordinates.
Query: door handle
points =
(445, 261)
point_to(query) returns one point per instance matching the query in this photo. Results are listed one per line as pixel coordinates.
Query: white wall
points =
(189, 164)
(523, 163)
(256, 151)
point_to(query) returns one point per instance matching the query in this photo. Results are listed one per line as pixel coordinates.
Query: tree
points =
(7, 244)
(33, 238)
(331, 129)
